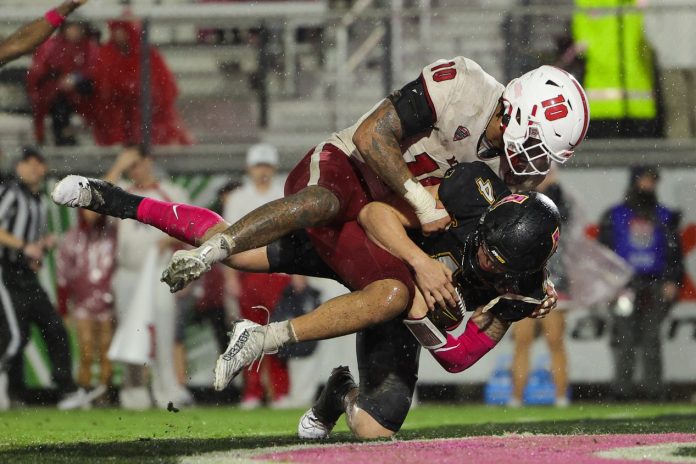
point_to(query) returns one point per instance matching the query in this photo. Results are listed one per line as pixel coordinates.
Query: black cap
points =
(29, 152)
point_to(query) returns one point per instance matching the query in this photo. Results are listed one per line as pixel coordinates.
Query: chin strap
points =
(510, 296)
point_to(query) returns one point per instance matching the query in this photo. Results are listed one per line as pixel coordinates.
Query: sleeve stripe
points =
(7, 197)
(427, 97)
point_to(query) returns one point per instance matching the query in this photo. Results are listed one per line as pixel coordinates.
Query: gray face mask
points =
(472, 274)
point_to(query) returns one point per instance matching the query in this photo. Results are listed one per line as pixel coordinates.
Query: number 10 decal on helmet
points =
(546, 117)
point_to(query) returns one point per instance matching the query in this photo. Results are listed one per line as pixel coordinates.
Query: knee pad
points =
(389, 403)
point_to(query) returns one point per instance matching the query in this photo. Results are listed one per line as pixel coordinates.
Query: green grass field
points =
(45, 435)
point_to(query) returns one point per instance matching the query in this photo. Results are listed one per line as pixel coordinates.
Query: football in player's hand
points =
(446, 319)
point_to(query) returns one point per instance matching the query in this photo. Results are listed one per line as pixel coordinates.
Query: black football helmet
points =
(519, 232)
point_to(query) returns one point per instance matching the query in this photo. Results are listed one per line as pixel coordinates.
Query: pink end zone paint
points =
(520, 449)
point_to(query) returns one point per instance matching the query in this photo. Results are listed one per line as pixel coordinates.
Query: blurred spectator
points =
(210, 304)
(84, 267)
(183, 314)
(619, 68)
(645, 234)
(298, 298)
(209, 290)
(217, 35)
(570, 56)
(60, 81)
(3, 172)
(668, 23)
(134, 241)
(30, 35)
(553, 325)
(119, 87)
(23, 243)
(258, 289)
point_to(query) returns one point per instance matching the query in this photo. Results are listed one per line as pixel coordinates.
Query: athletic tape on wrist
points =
(216, 249)
(423, 203)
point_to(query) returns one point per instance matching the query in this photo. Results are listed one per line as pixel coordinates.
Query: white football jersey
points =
(463, 97)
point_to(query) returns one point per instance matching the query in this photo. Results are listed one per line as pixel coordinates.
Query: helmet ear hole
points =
(506, 120)
(505, 111)
(518, 116)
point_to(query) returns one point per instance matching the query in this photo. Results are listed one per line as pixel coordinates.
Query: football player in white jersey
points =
(454, 112)
(540, 116)
(519, 243)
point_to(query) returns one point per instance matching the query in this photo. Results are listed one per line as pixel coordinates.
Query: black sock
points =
(113, 201)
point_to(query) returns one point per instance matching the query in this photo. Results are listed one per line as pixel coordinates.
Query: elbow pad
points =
(412, 107)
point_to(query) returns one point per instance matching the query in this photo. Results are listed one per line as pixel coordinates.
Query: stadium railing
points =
(364, 52)
(229, 158)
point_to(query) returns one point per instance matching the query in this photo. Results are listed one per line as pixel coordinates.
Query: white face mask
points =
(529, 158)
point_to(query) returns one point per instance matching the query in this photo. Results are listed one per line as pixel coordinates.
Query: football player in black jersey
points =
(472, 194)
(497, 253)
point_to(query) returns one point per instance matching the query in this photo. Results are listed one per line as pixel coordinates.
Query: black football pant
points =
(640, 329)
(387, 353)
(23, 299)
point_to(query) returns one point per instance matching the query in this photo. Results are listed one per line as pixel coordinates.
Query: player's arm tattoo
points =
(311, 207)
(378, 139)
(491, 325)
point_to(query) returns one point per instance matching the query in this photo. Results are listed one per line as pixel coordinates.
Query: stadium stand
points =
(221, 107)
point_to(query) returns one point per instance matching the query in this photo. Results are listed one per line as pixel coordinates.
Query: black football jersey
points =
(467, 190)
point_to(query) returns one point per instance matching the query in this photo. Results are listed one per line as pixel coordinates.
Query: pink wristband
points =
(54, 18)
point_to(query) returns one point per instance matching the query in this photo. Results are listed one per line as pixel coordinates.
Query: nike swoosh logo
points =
(442, 350)
(306, 424)
(175, 213)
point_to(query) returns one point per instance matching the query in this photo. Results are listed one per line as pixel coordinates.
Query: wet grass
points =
(687, 451)
(112, 435)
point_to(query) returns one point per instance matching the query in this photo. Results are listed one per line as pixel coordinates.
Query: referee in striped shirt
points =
(23, 301)
(22, 42)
